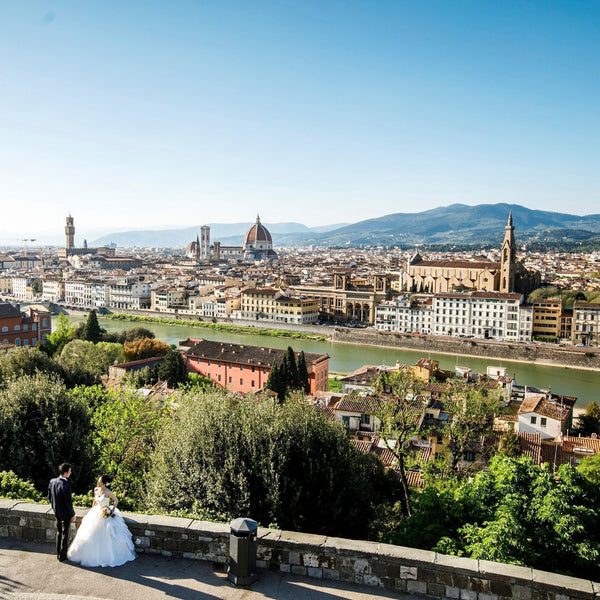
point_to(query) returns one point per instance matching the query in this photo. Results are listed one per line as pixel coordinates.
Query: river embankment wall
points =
(322, 557)
(540, 354)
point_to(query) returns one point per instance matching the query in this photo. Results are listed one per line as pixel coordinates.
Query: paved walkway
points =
(30, 571)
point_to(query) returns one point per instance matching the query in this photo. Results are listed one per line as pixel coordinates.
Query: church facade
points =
(507, 276)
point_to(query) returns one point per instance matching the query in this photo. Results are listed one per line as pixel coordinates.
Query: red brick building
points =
(24, 329)
(242, 368)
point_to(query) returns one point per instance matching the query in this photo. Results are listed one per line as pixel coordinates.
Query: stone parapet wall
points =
(322, 557)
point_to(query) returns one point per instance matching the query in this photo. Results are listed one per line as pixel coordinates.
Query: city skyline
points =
(143, 117)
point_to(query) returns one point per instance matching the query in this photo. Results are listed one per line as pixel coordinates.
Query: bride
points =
(102, 539)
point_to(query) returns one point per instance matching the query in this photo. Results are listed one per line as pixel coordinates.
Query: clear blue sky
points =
(164, 113)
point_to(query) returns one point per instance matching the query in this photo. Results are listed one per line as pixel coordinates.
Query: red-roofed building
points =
(243, 368)
(24, 329)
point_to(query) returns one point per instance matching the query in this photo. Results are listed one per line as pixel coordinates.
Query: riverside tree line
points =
(208, 454)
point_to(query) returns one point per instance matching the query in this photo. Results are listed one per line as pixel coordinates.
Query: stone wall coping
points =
(136, 518)
(30, 507)
(456, 563)
(216, 528)
(8, 504)
(269, 535)
(302, 539)
(408, 555)
(563, 581)
(514, 572)
(343, 545)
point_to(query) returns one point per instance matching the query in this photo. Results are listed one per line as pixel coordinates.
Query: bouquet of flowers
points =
(108, 511)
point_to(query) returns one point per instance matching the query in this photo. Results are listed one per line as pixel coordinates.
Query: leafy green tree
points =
(18, 362)
(173, 369)
(15, 488)
(125, 427)
(588, 422)
(92, 396)
(64, 332)
(141, 377)
(509, 445)
(283, 463)
(138, 333)
(36, 287)
(516, 513)
(41, 426)
(85, 362)
(401, 406)
(91, 331)
(589, 467)
(471, 409)
(334, 384)
(129, 335)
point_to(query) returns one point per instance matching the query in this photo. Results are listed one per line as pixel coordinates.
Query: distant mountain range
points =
(457, 224)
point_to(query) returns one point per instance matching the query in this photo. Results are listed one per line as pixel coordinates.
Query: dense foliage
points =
(515, 513)
(42, 425)
(279, 463)
(288, 375)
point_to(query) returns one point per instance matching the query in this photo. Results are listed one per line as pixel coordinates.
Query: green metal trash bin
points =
(242, 551)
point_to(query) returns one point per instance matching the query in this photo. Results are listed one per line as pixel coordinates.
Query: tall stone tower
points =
(205, 242)
(508, 261)
(70, 233)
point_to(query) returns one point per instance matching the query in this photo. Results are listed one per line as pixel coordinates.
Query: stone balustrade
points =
(322, 557)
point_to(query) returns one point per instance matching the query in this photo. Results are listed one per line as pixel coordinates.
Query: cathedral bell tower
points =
(508, 260)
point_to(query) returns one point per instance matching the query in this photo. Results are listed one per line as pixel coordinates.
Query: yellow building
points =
(269, 304)
(547, 318)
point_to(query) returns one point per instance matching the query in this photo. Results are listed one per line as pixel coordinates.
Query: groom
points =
(59, 493)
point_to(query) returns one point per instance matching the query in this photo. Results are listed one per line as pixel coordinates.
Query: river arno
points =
(585, 385)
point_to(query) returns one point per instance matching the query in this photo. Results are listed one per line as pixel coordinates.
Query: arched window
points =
(17, 341)
(5, 328)
(17, 328)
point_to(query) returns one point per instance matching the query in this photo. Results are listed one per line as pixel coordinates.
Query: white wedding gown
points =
(102, 542)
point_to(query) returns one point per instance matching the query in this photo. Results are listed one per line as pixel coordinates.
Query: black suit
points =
(59, 493)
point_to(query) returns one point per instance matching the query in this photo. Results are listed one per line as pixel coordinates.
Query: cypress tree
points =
(173, 369)
(304, 383)
(276, 382)
(292, 379)
(91, 330)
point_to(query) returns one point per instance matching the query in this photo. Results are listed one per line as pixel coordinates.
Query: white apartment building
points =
(403, 315)
(53, 289)
(586, 323)
(477, 314)
(127, 293)
(78, 291)
(21, 287)
(525, 322)
(492, 315)
(537, 414)
(98, 290)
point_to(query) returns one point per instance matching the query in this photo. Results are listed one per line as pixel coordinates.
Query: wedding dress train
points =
(102, 541)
